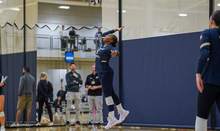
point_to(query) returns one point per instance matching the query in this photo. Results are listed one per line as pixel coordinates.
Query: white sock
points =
(111, 114)
(201, 124)
(119, 107)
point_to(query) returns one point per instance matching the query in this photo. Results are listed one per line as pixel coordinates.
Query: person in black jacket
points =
(44, 93)
(72, 35)
(73, 80)
(58, 104)
(61, 93)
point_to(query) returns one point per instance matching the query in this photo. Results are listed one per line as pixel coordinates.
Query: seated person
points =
(58, 104)
(85, 96)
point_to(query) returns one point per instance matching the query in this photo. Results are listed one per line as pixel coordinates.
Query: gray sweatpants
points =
(95, 103)
(70, 96)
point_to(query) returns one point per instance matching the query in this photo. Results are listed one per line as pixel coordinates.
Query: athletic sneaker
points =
(38, 124)
(67, 123)
(99, 125)
(89, 124)
(15, 125)
(123, 114)
(28, 125)
(51, 123)
(56, 114)
(2, 128)
(78, 123)
(111, 122)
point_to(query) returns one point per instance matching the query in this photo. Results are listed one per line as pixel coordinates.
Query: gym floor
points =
(60, 120)
(94, 128)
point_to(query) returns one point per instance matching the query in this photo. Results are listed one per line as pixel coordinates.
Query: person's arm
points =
(114, 52)
(68, 81)
(88, 85)
(204, 51)
(51, 90)
(70, 33)
(98, 87)
(110, 32)
(55, 103)
(203, 58)
(2, 84)
(58, 93)
(34, 87)
(79, 79)
(21, 87)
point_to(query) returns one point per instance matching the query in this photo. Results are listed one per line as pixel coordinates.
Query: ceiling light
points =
(15, 9)
(64, 7)
(183, 15)
(0, 1)
(123, 11)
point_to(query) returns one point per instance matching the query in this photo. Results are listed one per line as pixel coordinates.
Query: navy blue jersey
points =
(103, 56)
(209, 59)
(1, 90)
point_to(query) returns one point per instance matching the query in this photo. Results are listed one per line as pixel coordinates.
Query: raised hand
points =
(2, 84)
(113, 53)
(119, 29)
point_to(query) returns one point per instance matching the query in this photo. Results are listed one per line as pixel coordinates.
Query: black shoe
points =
(77, 123)
(90, 124)
(99, 125)
(67, 123)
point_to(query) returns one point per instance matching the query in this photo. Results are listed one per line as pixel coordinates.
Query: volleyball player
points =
(208, 72)
(106, 73)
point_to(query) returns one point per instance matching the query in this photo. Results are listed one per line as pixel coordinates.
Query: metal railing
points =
(82, 43)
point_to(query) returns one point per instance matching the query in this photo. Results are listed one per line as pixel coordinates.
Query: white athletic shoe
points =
(51, 123)
(2, 128)
(111, 122)
(73, 107)
(15, 125)
(123, 114)
(38, 124)
(28, 125)
(56, 114)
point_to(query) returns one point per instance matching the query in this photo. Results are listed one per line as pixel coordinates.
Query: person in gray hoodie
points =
(73, 80)
(27, 87)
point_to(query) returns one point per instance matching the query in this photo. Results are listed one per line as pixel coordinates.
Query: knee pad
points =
(2, 114)
(109, 101)
(201, 124)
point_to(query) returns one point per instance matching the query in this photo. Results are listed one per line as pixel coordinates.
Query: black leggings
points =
(106, 80)
(210, 95)
(41, 104)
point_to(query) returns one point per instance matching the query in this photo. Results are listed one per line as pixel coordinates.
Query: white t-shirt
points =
(63, 33)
